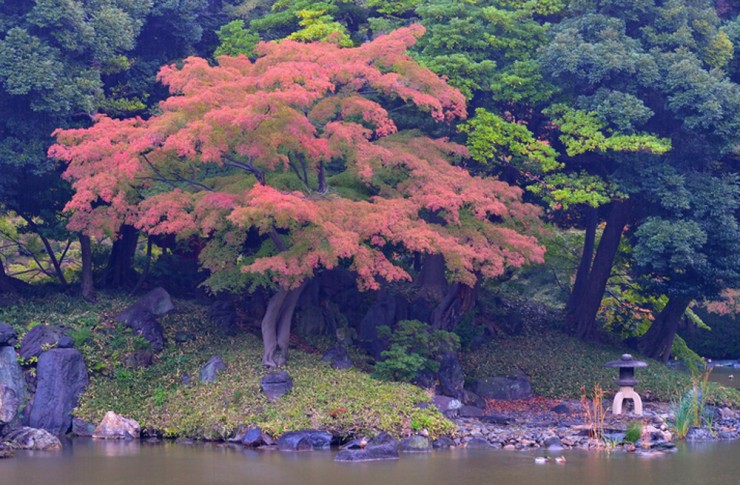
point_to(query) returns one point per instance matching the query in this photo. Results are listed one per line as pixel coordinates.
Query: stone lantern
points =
(626, 383)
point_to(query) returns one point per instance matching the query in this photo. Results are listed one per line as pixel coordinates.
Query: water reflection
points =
(88, 462)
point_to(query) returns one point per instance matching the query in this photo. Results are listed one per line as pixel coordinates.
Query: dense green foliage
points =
(589, 106)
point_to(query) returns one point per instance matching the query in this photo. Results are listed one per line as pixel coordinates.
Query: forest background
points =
(588, 162)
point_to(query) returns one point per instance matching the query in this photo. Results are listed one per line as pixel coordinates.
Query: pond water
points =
(87, 462)
(726, 374)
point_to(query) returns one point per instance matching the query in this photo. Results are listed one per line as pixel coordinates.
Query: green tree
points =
(643, 69)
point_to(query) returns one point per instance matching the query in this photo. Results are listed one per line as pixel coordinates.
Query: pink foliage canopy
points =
(299, 145)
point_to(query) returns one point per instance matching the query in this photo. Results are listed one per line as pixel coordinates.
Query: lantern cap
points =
(626, 361)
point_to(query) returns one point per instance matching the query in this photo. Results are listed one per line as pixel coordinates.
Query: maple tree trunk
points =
(658, 340)
(276, 326)
(582, 316)
(431, 281)
(147, 266)
(87, 284)
(120, 270)
(584, 267)
(459, 299)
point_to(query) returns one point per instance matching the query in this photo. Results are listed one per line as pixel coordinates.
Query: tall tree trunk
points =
(459, 299)
(658, 340)
(120, 270)
(431, 281)
(582, 317)
(584, 267)
(147, 266)
(87, 284)
(276, 326)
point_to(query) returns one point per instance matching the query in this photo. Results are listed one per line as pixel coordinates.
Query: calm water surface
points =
(86, 462)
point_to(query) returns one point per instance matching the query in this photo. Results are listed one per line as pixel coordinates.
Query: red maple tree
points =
(299, 146)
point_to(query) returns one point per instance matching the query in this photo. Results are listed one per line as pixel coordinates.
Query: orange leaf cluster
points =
(216, 159)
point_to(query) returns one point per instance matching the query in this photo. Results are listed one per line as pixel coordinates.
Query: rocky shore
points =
(565, 426)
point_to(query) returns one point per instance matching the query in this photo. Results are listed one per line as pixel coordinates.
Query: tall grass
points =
(596, 415)
(691, 410)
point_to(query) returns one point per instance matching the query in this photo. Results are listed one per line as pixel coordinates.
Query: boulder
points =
(699, 434)
(62, 377)
(141, 316)
(386, 451)
(443, 442)
(32, 439)
(157, 303)
(43, 337)
(223, 314)
(209, 372)
(9, 403)
(477, 442)
(116, 427)
(146, 325)
(254, 436)
(383, 438)
(451, 376)
(553, 443)
(304, 440)
(11, 374)
(81, 427)
(470, 412)
(508, 388)
(275, 384)
(415, 444)
(7, 334)
(338, 358)
(6, 451)
(446, 405)
(138, 360)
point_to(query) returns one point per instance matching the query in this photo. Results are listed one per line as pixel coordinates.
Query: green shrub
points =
(414, 349)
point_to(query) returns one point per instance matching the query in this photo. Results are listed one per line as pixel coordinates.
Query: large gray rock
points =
(9, 403)
(62, 377)
(275, 384)
(209, 372)
(338, 358)
(509, 388)
(415, 444)
(7, 334)
(157, 302)
(451, 376)
(42, 337)
(32, 439)
(141, 316)
(11, 374)
(304, 440)
(116, 427)
(386, 451)
(223, 313)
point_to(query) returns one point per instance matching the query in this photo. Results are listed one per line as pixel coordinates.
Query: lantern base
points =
(626, 392)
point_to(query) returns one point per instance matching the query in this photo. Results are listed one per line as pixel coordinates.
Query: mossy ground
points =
(561, 366)
(345, 402)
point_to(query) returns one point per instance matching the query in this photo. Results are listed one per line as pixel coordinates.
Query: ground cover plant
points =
(345, 402)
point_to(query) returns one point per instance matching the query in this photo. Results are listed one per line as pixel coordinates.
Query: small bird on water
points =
(541, 459)
(560, 459)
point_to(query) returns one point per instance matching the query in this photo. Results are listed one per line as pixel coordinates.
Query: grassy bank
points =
(343, 402)
(561, 366)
